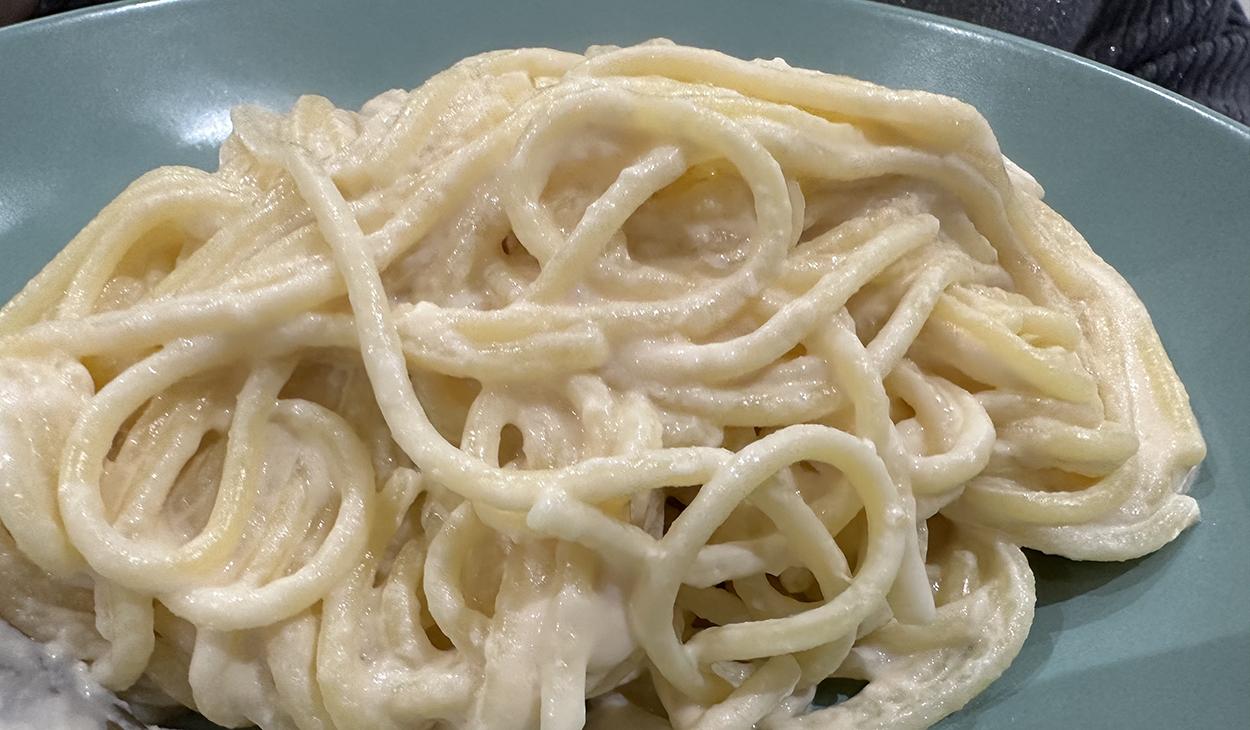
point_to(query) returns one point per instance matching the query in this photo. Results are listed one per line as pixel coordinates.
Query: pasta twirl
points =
(640, 388)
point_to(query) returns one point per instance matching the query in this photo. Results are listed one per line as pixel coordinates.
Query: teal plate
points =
(1160, 187)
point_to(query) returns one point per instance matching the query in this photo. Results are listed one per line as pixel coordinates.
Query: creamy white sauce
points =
(43, 687)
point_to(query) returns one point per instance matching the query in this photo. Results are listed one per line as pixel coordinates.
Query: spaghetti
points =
(649, 376)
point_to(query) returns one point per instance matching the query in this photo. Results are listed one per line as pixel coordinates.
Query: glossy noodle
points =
(641, 389)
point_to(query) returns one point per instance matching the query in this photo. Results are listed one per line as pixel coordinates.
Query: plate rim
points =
(61, 22)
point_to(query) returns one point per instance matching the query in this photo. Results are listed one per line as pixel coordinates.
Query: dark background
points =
(1197, 48)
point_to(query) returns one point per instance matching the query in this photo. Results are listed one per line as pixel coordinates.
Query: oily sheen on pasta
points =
(644, 388)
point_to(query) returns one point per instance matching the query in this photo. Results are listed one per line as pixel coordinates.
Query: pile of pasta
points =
(644, 388)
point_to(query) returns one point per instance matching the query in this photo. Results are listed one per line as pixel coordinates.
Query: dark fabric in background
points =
(1197, 48)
